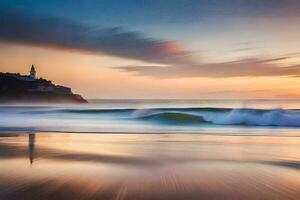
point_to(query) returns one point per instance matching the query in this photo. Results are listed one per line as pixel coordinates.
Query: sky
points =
(157, 49)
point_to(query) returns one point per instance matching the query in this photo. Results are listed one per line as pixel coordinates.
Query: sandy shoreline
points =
(148, 166)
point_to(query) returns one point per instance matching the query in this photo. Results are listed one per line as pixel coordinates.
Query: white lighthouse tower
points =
(32, 72)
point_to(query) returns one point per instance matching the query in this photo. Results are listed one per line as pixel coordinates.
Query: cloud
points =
(51, 32)
(245, 49)
(238, 68)
(19, 27)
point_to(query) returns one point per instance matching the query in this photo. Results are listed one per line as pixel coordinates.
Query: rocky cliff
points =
(16, 88)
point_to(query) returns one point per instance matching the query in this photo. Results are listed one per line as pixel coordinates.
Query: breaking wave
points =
(246, 117)
(190, 116)
(154, 119)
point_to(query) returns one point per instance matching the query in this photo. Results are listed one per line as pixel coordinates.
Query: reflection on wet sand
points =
(31, 141)
(148, 166)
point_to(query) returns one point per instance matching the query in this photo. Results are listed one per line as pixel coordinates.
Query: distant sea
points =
(156, 116)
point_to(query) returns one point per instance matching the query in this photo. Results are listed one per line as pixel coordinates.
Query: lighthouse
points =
(32, 72)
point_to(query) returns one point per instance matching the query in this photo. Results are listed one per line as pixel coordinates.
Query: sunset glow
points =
(210, 52)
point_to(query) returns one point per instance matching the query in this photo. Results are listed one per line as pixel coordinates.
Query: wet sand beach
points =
(148, 166)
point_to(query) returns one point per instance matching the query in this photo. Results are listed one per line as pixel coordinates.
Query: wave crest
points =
(276, 117)
(241, 117)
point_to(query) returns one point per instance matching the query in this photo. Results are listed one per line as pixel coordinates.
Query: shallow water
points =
(149, 166)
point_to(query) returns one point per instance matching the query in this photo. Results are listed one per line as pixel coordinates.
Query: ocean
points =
(156, 116)
(151, 150)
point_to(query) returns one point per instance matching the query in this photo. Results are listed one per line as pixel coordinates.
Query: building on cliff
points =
(32, 72)
(17, 87)
(30, 77)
